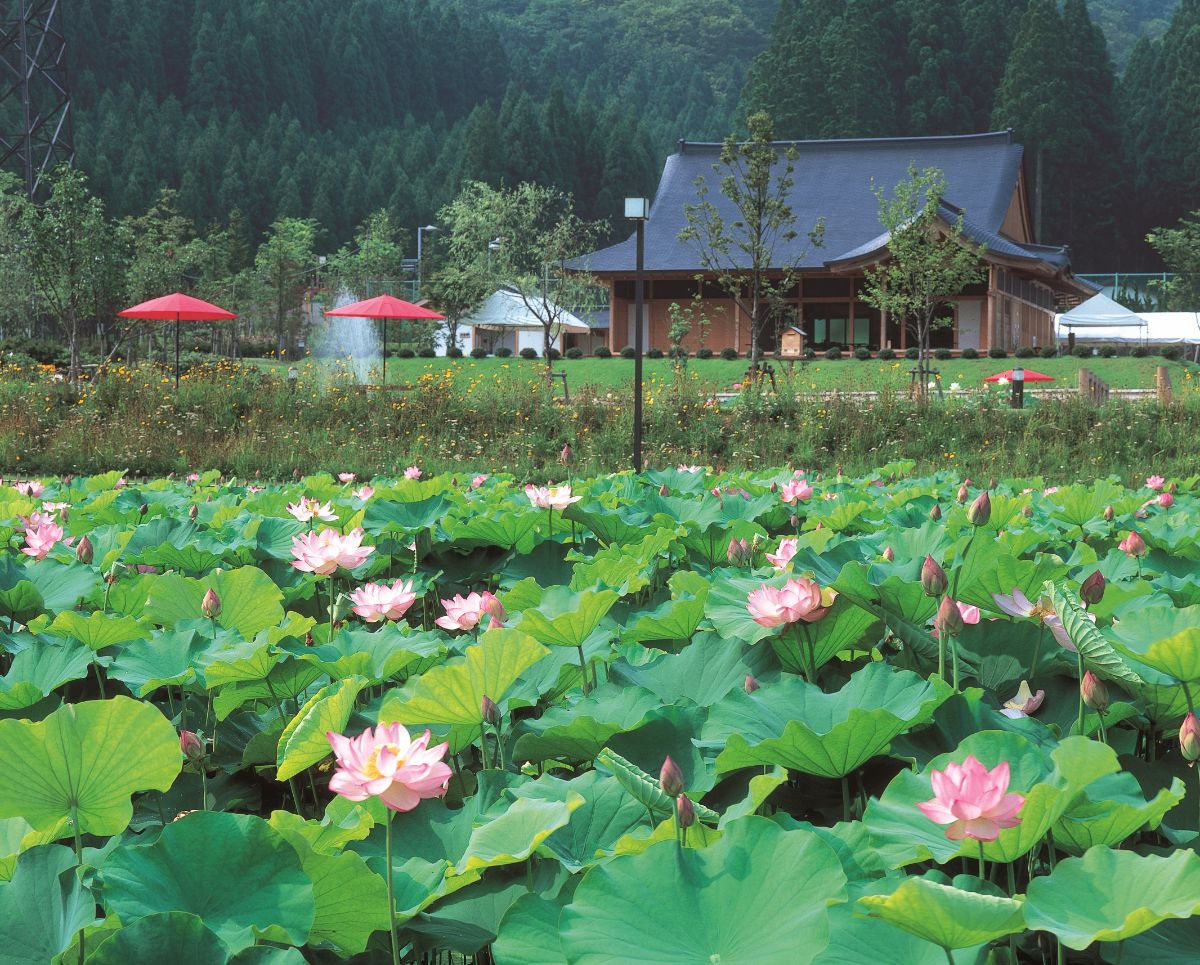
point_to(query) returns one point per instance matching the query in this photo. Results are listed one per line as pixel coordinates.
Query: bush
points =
(574, 352)
(1172, 353)
(602, 352)
(912, 352)
(809, 354)
(887, 354)
(678, 352)
(479, 352)
(729, 354)
(1048, 351)
(1024, 352)
(250, 347)
(654, 353)
(970, 353)
(1140, 352)
(504, 352)
(942, 354)
(406, 353)
(428, 353)
(862, 354)
(41, 350)
(453, 352)
(1109, 352)
(528, 353)
(553, 355)
(996, 352)
(1082, 352)
(833, 354)
(628, 352)
(704, 353)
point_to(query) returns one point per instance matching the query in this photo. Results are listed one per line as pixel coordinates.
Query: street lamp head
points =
(495, 244)
(429, 227)
(1018, 374)
(637, 209)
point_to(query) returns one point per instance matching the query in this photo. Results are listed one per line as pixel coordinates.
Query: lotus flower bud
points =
(296, 473)
(991, 483)
(933, 578)
(794, 520)
(309, 639)
(1189, 738)
(687, 813)
(663, 490)
(193, 511)
(70, 478)
(1108, 514)
(774, 486)
(1133, 544)
(489, 712)
(963, 493)
(191, 745)
(1172, 488)
(889, 554)
(1091, 590)
(936, 513)
(258, 474)
(949, 617)
(1165, 500)
(1027, 512)
(750, 685)
(143, 509)
(980, 511)
(670, 778)
(739, 552)
(84, 552)
(565, 456)
(1094, 692)
(210, 606)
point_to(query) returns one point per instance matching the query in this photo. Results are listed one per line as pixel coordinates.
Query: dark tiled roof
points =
(833, 181)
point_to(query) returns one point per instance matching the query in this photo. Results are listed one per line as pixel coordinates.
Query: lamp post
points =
(1018, 388)
(420, 233)
(494, 245)
(637, 210)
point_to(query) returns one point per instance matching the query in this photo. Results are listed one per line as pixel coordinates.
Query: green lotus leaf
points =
(190, 559)
(162, 938)
(1165, 638)
(233, 870)
(899, 602)
(794, 724)
(1110, 810)
(1098, 654)
(21, 602)
(579, 730)
(172, 657)
(453, 692)
(250, 601)
(17, 836)
(344, 821)
(703, 672)
(97, 630)
(289, 678)
(608, 812)
(62, 585)
(1170, 942)
(511, 530)
(844, 627)
(536, 812)
(303, 741)
(758, 896)
(960, 914)
(644, 788)
(564, 618)
(377, 655)
(851, 842)
(84, 761)
(992, 569)
(351, 900)
(40, 669)
(1108, 895)
(725, 606)
(394, 516)
(528, 933)
(42, 907)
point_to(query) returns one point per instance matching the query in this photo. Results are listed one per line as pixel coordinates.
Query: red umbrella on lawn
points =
(385, 307)
(178, 308)
(1030, 376)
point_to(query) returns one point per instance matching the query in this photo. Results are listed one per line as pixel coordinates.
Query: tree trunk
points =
(73, 343)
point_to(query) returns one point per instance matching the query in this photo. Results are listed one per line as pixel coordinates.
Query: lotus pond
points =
(759, 718)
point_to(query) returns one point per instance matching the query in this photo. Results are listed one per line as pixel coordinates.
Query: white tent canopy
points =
(1100, 311)
(504, 320)
(1100, 319)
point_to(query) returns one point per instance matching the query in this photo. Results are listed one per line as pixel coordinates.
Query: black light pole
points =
(637, 210)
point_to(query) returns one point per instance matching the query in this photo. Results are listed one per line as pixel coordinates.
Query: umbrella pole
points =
(384, 352)
(176, 351)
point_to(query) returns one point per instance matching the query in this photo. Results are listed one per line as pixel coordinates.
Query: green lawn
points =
(820, 375)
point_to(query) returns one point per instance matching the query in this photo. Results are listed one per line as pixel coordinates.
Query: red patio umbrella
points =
(178, 307)
(385, 307)
(1030, 376)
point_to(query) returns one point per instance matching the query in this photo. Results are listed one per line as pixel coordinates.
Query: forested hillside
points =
(330, 111)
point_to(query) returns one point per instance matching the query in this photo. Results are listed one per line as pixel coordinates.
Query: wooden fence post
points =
(1162, 385)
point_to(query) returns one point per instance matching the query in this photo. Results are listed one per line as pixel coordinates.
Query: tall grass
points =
(247, 422)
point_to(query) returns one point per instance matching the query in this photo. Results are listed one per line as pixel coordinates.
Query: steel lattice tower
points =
(35, 100)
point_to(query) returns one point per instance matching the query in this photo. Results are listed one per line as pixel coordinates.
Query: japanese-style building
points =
(833, 183)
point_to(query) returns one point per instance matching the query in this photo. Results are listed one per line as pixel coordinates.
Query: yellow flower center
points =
(371, 767)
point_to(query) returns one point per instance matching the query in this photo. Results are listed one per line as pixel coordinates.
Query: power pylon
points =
(35, 100)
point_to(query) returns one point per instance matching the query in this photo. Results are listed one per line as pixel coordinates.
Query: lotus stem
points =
(949, 955)
(1079, 654)
(79, 865)
(1187, 695)
(583, 669)
(941, 639)
(1037, 651)
(845, 798)
(483, 742)
(99, 680)
(391, 898)
(982, 863)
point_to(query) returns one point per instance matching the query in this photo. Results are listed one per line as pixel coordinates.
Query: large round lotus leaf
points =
(1111, 895)
(1164, 638)
(1110, 810)
(233, 870)
(250, 600)
(799, 726)
(965, 912)
(86, 759)
(43, 907)
(528, 933)
(759, 896)
(1170, 942)
(173, 936)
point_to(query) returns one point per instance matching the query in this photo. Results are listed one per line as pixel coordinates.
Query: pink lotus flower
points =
(254, 489)
(322, 553)
(797, 600)
(192, 477)
(551, 497)
(363, 492)
(479, 481)
(413, 472)
(32, 521)
(1024, 703)
(794, 490)
(1016, 604)
(378, 601)
(969, 614)
(39, 540)
(1166, 500)
(32, 488)
(388, 764)
(465, 613)
(1155, 482)
(121, 483)
(347, 477)
(782, 557)
(973, 801)
(1049, 490)
(1133, 544)
(55, 507)
(682, 467)
(308, 509)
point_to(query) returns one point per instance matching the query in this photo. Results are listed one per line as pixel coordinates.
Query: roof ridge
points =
(1006, 134)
